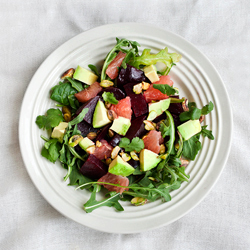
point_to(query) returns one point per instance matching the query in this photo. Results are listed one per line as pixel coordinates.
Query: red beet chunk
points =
(115, 140)
(118, 93)
(85, 128)
(134, 163)
(129, 88)
(137, 128)
(130, 74)
(103, 134)
(93, 168)
(91, 106)
(138, 104)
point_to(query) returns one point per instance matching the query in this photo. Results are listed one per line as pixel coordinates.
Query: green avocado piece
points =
(159, 107)
(148, 160)
(85, 143)
(189, 129)
(120, 167)
(121, 125)
(85, 75)
(59, 131)
(100, 116)
(151, 73)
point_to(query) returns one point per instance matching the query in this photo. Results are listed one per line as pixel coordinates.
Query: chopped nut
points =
(74, 140)
(91, 149)
(125, 156)
(92, 135)
(137, 88)
(151, 178)
(98, 144)
(107, 105)
(177, 145)
(185, 105)
(138, 201)
(68, 73)
(134, 156)
(149, 125)
(106, 83)
(162, 149)
(145, 85)
(111, 133)
(67, 117)
(115, 152)
(184, 162)
(65, 109)
(201, 118)
(108, 161)
(111, 115)
(163, 156)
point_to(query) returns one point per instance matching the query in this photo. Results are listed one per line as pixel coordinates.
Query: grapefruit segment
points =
(88, 93)
(123, 108)
(104, 151)
(153, 141)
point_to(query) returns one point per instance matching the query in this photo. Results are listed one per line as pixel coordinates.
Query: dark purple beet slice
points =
(130, 74)
(163, 116)
(137, 128)
(118, 93)
(115, 140)
(91, 106)
(93, 168)
(177, 121)
(85, 128)
(129, 88)
(175, 108)
(138, 104)
(103, 134)
(134, 163)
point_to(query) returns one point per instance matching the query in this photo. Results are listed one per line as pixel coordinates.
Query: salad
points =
(123, 128)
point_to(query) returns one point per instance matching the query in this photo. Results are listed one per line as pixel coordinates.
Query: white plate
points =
(196, 79)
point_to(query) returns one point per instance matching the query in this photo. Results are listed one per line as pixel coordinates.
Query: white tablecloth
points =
(31, 30)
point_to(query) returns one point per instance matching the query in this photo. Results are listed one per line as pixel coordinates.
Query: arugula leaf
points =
(94, 69)
(207, 133)
(51, 150)
(120, 43)
(93, 204)
(165, 89)
(75, 84)
(60, 93)
(162, 56)
(109, 97)
(79, 118)
(191, 147)
(136, 144)
(194, 113)
(52, 118)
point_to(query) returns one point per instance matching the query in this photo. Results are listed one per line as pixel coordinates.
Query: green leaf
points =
(207, 108)
(136, 144)
(207, 133)
(162, 56)
(109, 97)
(93, 204)
(165, 89)
(94, 69)
(79, 118)
(75, 84)
(60, 93)
(52, 118)
(191, 147)
(51, 150)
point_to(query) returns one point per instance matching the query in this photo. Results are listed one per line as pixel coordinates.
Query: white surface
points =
(31, 30)
(196, 79)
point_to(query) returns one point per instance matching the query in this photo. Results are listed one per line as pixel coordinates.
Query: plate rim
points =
(108, 26)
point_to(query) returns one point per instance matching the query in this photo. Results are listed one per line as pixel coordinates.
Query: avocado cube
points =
(120, 167)
(151, 73)
(100, 117)
(159, 107)
(85, 75)
(121, 125)
(189, 129)
(59, 131)
(148, 160)
(85, 143)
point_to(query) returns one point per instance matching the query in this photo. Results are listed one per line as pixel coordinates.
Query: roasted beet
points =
(118, 93)
(103, 133)
(137, 128)
(93, 168)
(85, 128)
(115, 140)
(134, 163)
(129, 88)
(130, 74)
(138, 104)
(175, 108)
(91, 106)
(163, 116)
